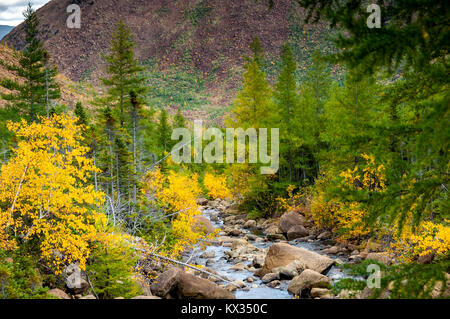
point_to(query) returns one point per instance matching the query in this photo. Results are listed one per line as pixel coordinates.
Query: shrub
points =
(216, 186)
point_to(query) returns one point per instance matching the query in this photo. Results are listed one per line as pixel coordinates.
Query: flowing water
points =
(222, 266)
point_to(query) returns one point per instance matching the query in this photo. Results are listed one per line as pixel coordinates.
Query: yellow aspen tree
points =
(44, 192)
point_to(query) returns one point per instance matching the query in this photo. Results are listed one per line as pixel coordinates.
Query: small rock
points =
(332, 250)
(88, 297)
(208, 254)
(238, 267)
(250, 279)
(146, 297)
(270, 277)
(320, 292)
(274, 283)
(250, 224)
(58, 293)
(324, 235)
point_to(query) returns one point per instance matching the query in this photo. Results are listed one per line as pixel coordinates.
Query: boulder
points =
(166, 282)
(58, 293)
(179, 284)
(203, 224)
(250, 224)
(297, 231)
(192, 287)
(307, 280)
(281, 254)
(290, 219)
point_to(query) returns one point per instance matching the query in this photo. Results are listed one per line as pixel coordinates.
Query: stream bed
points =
(257, 289)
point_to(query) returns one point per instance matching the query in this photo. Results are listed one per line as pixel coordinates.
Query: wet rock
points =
(320, 293)
(250, 224)
(254, 286)
(307, 280)
(251, 237)
(240, 283)
(281, 254)
(208, 254)
(203, 224)
(58, 293)
(274, 284)
(235, 232)
(332, 250)
(297, 231)
(289, 220)
(214, 217)
(250, 279)
(210, 262)
(238, 267)
(231, 287)
(270, 277)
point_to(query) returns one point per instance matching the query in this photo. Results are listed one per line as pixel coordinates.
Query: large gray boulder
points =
(281, 254)
(178, 284)
(290, 219)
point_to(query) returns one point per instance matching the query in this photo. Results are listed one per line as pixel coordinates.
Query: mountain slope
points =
(209, 35)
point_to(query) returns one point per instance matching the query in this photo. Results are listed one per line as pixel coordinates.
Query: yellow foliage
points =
(45, 188)
(347, 218)
(216, 186)
(176, 194)
(429, 237)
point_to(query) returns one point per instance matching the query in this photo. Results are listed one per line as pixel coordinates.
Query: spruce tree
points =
(287, 105)
(31, 96)
(124, 70)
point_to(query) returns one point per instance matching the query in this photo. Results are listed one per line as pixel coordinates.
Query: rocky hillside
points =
(209, 35)
(71, 92)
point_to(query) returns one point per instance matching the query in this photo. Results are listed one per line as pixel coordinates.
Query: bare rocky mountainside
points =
(209, 35)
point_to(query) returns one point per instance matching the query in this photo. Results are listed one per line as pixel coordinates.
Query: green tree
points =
(287, 106)
(32, 96)
(124, 70)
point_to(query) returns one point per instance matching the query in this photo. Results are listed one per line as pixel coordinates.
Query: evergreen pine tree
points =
(31, 97)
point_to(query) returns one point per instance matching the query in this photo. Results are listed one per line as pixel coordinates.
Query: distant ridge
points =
(208, 35)
(4, 30)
